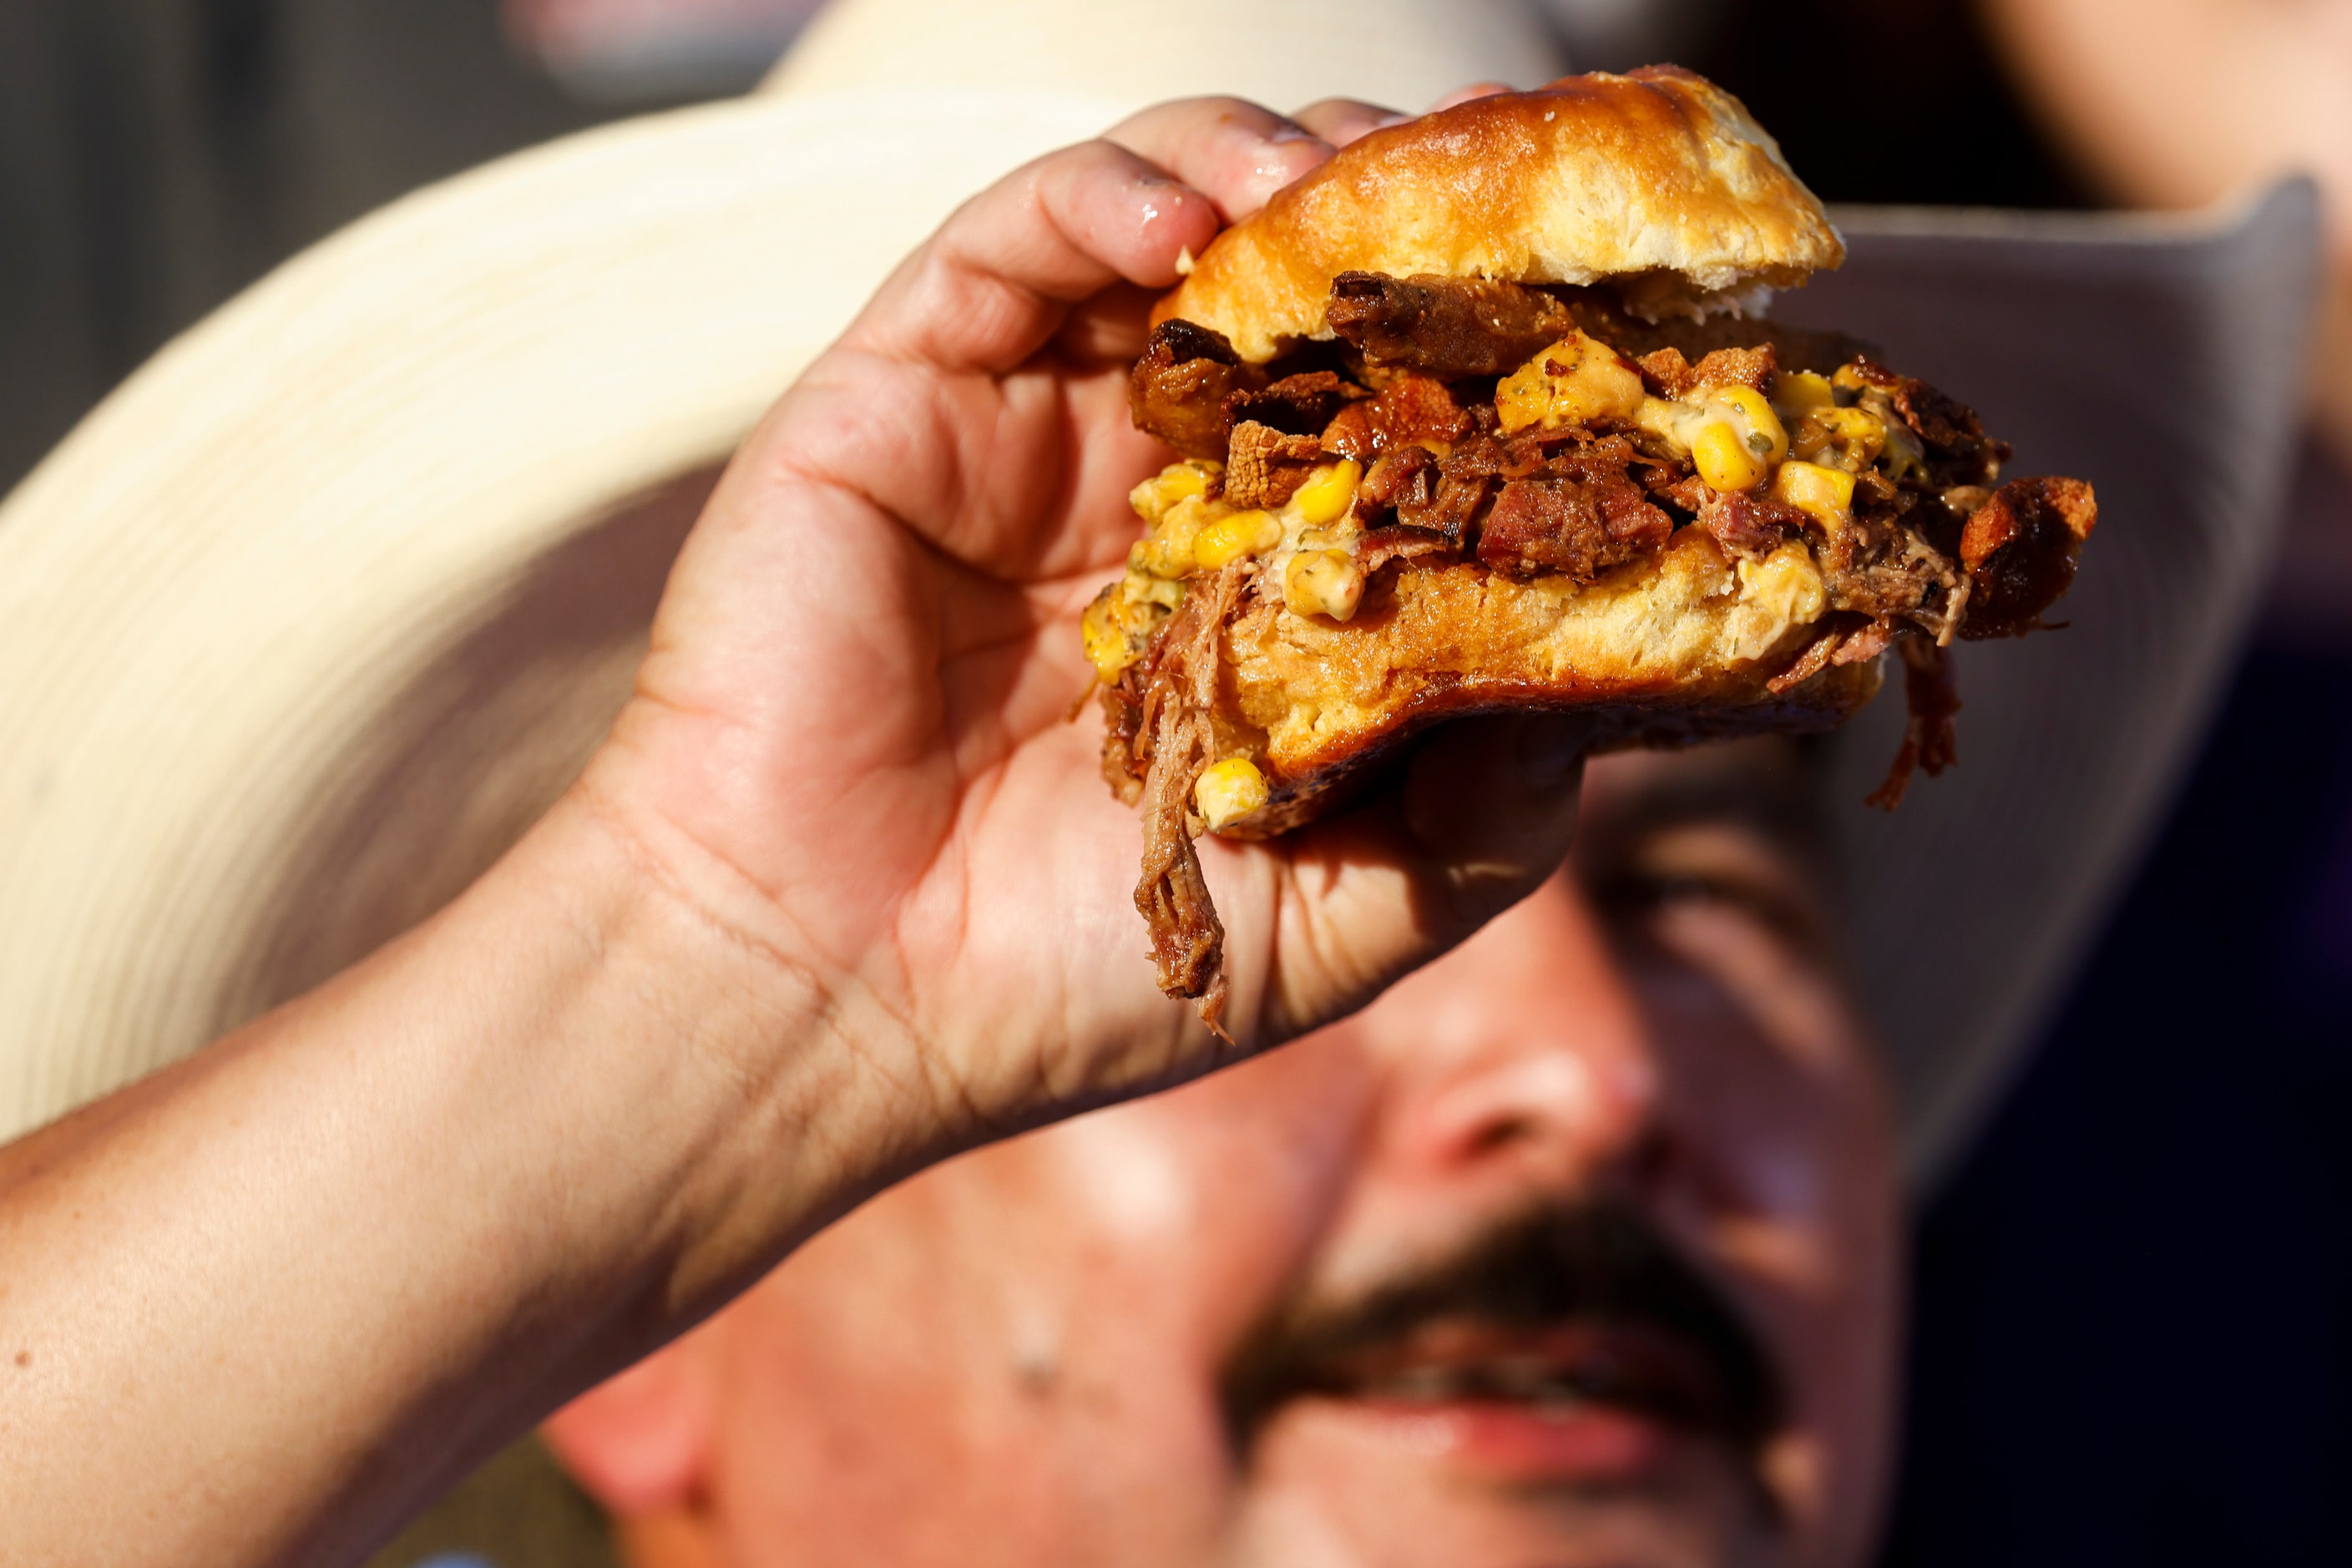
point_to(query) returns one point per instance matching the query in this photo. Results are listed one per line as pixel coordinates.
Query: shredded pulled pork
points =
(1929, 741)
(1174, 742)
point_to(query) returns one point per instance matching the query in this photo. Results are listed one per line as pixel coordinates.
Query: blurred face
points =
(1577, 1248)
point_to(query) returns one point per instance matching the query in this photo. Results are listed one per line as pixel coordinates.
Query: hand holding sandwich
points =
(851, 747)
(842, 894)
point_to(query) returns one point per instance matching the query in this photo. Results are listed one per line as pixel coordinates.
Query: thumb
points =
(1487, 808)
(1483, 814)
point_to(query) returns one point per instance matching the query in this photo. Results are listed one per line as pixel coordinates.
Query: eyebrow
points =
(1774, 801)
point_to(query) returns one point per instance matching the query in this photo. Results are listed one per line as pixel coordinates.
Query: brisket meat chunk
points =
(1300, 405)
(1263, 467)
(1451, 327)
(1410, 410)
(1179, 388)
(1580, 514)
(2020, 549)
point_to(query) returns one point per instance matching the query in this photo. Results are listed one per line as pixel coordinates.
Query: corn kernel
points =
(1107, 646)
(1329, 492)
(1723, 460)
(1904, 454)
(1801, 392)
(1849, 438)
(1176, 482)
(1759, 427)
(1168, 548)
(1143, 588)
(1592, 382)
(1825, 495)
(1230, 538)
(1229, 791)
(1323, 582)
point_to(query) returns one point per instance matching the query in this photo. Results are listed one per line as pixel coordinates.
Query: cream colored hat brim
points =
(213, 592)
(1286, 54)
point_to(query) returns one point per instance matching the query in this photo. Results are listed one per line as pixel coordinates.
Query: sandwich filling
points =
(1542, 436)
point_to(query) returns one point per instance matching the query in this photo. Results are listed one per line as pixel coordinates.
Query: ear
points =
(639, 1443)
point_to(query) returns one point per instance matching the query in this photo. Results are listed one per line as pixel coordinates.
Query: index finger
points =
(992, 286)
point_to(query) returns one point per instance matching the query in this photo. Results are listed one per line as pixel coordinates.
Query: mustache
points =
(1601, 1264)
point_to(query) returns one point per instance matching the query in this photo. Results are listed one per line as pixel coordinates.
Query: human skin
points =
(1014, 1358)
(840, 896)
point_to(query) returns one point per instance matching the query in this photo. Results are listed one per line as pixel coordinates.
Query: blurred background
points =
(2134, 1302)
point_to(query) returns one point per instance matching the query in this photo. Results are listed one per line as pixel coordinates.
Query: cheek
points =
(1201, 1204)
(1782, 1173)
(1028, 1338)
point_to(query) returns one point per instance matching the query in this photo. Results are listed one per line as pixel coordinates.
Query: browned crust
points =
(1332, 776)
(1657, 180)
(1315, 704)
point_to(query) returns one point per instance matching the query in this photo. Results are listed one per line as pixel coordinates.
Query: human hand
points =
(848, 750)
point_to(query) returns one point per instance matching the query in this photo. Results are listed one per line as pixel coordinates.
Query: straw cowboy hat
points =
(316, 613)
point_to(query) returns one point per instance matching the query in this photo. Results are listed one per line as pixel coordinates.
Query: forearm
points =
(257, 1307)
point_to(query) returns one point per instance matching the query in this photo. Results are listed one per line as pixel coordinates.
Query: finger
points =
(997, 280)
(1109, 329)
(1340, 121)
(1236, 151)
(1475, 89)
(1484, 813)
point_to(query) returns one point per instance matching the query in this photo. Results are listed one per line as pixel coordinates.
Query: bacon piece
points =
(1839, 640)
(1445, 327)
(1665, 374)
(1263, 467)
(1827, 639)
(1668, 374)
(1867, 643)
(2018, 550)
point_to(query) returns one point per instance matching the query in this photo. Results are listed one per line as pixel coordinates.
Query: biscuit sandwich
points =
(1482, 415)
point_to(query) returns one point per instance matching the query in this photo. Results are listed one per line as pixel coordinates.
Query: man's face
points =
(1576, 1248)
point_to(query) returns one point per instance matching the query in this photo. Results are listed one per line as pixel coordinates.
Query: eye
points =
(1708, 867)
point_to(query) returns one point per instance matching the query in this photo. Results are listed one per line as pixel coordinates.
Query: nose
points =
(1521, 1057)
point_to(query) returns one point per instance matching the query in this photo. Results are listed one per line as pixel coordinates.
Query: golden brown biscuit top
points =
(1656, 182)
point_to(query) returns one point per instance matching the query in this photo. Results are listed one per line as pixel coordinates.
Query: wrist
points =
(737, 1062)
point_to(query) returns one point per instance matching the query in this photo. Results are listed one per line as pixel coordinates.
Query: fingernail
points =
(1550, 748)
(1391, 118)
(1290, 132)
